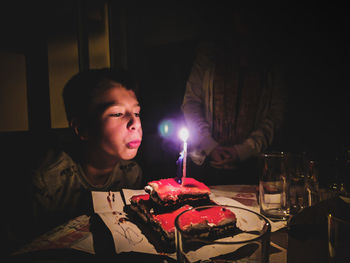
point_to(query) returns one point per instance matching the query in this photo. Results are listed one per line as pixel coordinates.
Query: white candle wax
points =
(184, 162)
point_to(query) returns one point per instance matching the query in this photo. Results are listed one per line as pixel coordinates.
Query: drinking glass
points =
(249, 242)
(274, 186)
(311, 183)
(296, 167)
(338, 239)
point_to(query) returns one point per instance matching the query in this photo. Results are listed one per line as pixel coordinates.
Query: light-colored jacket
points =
(198, 109)
(61, 190)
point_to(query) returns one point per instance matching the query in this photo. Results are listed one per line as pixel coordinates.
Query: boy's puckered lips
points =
(134, 144)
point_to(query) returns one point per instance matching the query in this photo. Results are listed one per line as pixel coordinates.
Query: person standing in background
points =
(234, 102)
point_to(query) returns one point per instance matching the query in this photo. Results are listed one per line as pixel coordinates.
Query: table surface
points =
(74, 240)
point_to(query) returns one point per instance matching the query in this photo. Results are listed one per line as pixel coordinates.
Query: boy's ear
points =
(78, 129)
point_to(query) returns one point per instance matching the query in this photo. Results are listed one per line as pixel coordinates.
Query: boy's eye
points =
(137, 114)
(116, 114)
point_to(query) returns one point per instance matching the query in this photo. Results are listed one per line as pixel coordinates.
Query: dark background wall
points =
(309, 39)
(160, 38)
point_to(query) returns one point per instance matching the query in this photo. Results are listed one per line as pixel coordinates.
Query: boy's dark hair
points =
(82, 88)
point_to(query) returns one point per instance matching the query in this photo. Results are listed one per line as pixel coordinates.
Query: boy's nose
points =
(134, 122)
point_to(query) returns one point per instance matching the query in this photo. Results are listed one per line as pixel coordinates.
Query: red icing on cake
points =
(170, 189)
(137, 198)
(213, 216)
(167, 220)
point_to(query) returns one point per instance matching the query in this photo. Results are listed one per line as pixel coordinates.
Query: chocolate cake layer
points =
(167, 192)
(165, 223)
(210, 222)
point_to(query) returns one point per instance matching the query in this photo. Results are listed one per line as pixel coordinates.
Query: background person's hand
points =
(223, 157)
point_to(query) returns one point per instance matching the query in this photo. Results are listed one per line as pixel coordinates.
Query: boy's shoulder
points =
(54, 169)
(56, 160)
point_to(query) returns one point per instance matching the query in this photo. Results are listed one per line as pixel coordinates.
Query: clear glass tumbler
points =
(312, 183)
(296, 167)
(274, 184)
(249, 242)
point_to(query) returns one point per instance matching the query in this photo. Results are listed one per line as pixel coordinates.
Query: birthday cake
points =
(168, 192)
(157, 223)
(165, 200)
(209, 222)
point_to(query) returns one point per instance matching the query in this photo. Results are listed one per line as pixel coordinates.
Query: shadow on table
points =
(105, 249)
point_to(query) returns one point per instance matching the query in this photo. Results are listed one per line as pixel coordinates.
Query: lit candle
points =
(179, 164)
(183, 134)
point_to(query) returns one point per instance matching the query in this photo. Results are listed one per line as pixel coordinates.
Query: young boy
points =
(104, 114)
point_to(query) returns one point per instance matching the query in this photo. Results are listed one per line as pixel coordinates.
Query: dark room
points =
(116, 117)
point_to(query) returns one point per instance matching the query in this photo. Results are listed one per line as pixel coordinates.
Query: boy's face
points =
(118, 132)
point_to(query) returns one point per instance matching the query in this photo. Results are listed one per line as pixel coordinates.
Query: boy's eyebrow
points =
(103, 106)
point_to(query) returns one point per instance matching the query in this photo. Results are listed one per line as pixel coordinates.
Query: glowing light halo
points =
(166, 128)
(183, 134)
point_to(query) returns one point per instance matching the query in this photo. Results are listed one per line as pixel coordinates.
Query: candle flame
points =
(183, 134)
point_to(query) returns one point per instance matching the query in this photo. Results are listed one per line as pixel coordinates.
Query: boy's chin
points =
(130, 155)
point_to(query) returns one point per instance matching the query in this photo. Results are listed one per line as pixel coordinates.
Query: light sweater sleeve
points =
(193, 107)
